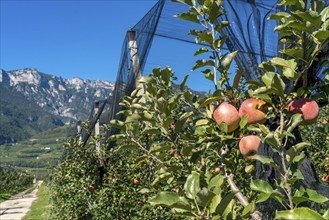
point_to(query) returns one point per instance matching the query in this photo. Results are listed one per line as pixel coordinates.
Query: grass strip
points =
(40, 209)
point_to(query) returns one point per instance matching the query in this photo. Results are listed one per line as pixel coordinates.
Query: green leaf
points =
(262, 90)
(296, 119)
(264, 129)
(243, 121)
(204, 197)
(214, 203)
(263, 197)
(181, 121)
(321, 36)
(315, 196)
(204, 36)
(279, 16)
(118, 124)
(267, 78)
(311, 16)
(272, 139)
(266, 160)
(116, 137)
(302, 213)
(278, 85)
(288, 67)
(192, 185)
(209, 74)
(293, 52)
(296, 149)
(203, 63)
(201, 122)
(325, 14)
(159, 148)
(127, 147)
(169, 199)
(147, 116)
(326, 215)
(248, 209)
(189, 16)
(228, 60)
(220, 209)
(219, 43)
(201, 51)
(266, 66)
(237, 78)
(146, 79)
(144, 191)
(216, 183)
(261, 186)
(182, 85)
(132, 118)
(136, 106)
(208, 100)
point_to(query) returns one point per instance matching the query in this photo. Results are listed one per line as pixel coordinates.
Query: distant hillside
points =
(32, 102)
(40, 152)
(20, 118)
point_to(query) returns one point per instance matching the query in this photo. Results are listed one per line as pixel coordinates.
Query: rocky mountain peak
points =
(71, 98)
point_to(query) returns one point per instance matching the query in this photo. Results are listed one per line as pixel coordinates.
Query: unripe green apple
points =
(249, 145)
(252, 108)
(307, 107)
(226, 112)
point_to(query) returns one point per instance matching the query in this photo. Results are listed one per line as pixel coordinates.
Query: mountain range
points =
(32, 101)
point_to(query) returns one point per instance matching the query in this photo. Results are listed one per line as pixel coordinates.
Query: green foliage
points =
(13, 181)
(118, 197)
(183, 160)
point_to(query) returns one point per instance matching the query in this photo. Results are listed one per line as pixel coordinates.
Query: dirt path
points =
(18, 205)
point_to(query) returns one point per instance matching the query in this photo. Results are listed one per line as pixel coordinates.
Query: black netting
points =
(251, 33)
(126, 77)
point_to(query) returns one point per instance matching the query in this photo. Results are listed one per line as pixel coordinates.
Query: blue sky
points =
(81, 38)
(67, 38)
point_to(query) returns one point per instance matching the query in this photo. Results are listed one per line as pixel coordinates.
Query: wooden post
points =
(134, 58)
(96, 108)
(79, 131)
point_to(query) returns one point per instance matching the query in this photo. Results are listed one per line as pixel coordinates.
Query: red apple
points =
(248, 146)
(136, 181)
(325, 178)
(172, 126)
(226, 112)
(217, 169)
(175, 152)
(91, 187)
(252, 108)
(307, 107)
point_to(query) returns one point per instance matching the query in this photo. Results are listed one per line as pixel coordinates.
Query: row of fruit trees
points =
(236, 153)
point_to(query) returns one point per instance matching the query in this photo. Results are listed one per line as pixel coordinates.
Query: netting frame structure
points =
(138, 41)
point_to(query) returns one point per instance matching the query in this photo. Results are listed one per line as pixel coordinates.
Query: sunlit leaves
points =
(192, 185)
(298, 214)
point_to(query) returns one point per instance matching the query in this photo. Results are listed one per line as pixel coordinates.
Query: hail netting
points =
(250, 32)
(126, 78)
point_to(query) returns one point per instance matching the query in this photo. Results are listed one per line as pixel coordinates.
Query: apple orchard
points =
(247, 150)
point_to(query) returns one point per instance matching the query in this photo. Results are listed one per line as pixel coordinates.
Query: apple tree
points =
(184, 141)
